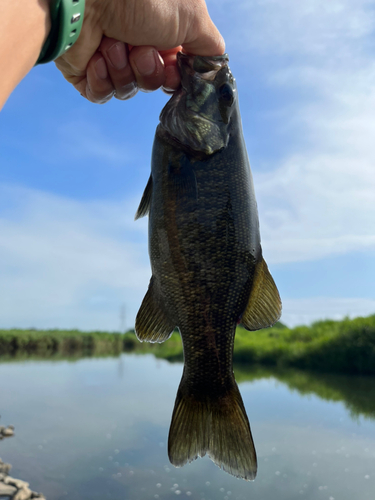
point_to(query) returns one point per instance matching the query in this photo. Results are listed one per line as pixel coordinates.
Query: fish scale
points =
(208, 272)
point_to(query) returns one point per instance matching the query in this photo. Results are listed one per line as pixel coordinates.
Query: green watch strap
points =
(66, 24)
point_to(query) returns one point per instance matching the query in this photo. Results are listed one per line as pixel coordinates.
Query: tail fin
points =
(218, 427)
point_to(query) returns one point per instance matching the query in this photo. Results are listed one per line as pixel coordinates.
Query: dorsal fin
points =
(264, 306)
(144, 206)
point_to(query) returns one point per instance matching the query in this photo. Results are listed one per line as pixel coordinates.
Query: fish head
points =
(199, 113)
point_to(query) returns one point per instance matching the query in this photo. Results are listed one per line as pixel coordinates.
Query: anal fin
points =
(264, 306)
(152, 324)
(144, 206)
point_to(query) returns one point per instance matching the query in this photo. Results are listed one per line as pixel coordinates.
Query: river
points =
(97, 428)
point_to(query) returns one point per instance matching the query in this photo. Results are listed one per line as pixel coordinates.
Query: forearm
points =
(24, 26)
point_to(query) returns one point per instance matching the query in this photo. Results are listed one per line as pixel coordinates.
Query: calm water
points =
(97, 429)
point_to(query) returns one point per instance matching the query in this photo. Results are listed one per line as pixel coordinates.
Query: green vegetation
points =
(58, 343)
(346, 346)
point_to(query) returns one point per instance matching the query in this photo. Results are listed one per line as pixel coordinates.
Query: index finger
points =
(172, 74)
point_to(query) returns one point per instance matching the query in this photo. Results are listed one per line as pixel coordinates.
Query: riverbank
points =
(60, 343)
(9, 486)
(346, 346)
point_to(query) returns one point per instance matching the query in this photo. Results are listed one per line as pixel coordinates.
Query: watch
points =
(66, 24)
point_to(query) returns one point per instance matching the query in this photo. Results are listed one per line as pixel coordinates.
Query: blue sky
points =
(72, 173)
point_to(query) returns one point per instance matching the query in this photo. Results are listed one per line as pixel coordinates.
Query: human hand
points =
(126, 45)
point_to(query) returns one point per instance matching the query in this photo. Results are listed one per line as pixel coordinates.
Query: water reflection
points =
(357, 393)
(90, 429)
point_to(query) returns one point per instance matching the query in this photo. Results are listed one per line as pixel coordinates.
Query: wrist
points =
(66, 17)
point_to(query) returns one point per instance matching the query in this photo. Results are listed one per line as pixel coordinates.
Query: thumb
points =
(204, 39)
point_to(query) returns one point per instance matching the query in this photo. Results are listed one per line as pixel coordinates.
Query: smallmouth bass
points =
(208, 273)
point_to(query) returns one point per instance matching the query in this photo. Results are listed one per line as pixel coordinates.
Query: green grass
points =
(346, 346)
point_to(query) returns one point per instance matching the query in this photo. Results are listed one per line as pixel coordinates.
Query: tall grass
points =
(339, 346)
(346, 346)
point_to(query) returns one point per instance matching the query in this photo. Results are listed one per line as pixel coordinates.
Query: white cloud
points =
(305, 311)
(317, 198)
(70, 264)
(313, 208)
(321, 201)
(293, 27)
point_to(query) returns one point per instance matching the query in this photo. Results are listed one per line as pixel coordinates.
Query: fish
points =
(208, 272)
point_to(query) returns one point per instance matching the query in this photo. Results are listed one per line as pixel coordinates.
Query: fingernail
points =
(129, 90)
(168, 91)
(146, 64)
(101, 69)
(117, 55)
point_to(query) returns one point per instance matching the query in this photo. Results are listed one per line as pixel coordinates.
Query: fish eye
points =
(226, 93)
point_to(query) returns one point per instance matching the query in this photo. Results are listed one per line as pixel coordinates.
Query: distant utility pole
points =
(123, 318)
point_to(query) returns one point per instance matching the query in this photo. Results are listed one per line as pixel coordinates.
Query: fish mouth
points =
(204, 66)
(195, 117)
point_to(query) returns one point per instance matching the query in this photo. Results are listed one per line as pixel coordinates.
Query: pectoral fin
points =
(152, 323)
(144, 206)
(264, 306)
